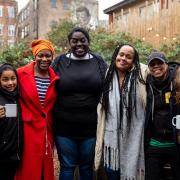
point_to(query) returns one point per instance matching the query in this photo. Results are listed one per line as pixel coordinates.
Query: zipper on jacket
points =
(152, 103)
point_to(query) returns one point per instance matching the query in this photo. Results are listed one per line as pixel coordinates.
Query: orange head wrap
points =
(40, 44)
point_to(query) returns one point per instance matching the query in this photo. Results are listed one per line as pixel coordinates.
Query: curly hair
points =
(136, 75)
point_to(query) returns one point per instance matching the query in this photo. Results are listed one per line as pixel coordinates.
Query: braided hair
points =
(135, 75)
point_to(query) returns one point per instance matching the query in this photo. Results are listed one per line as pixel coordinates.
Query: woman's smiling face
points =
(125, 58)
(43, 59)
(8, 80)
(158, 69)
(79, 44)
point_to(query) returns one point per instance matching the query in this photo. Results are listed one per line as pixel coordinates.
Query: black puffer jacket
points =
(11, 131)
(173, 107)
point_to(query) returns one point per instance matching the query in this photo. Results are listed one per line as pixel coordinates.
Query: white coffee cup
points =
(11, 110)
(176, 121)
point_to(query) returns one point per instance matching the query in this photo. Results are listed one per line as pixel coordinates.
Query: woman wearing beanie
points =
(162, 144)
(37, 89)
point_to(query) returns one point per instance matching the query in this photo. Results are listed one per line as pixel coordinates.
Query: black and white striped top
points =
(42, 85)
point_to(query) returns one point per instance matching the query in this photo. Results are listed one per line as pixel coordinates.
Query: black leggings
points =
(8, 170)
(156, 158)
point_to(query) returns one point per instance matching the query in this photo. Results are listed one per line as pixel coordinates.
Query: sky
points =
(103, 4)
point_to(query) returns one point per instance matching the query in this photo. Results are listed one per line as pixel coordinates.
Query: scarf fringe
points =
(140, 176)
(111, 158)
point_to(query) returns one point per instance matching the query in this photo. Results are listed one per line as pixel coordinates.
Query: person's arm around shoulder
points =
(144, 70)
(55, 62)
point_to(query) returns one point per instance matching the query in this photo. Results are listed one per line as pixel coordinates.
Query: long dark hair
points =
(136, 75)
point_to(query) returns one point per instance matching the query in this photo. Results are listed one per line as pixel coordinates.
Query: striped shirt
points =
(42, 85)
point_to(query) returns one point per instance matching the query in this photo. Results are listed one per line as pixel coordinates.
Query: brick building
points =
(38, 16)
(8, 13)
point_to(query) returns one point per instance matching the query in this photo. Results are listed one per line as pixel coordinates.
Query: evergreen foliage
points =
(102, 42)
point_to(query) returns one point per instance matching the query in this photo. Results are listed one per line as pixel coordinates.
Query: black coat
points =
(11, 132)
(174, 108)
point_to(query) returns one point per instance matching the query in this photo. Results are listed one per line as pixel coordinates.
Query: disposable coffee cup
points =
(176, 121)
(11, 110)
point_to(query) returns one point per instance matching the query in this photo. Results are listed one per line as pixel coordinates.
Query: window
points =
(28, 11)
(1, 11)
(53, 3)
(22, 33)
(1, 29)
(35, 4)
(11, 30)
(26, 30)
(156, 7)
(11, 12)
(65, 4)
(148, 11)
(124, 19)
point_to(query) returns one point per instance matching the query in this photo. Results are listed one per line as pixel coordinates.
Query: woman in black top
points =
(75, 117)
(10, 127)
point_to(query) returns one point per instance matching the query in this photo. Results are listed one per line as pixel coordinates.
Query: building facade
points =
(36, 19)
(8, 14)
(154, 21)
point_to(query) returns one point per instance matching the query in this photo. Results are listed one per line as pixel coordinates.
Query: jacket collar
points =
(29, 69)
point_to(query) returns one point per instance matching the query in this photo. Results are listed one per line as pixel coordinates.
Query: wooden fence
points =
(162, 26)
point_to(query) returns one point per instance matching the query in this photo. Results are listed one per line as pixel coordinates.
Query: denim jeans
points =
(111, 174)
(75, 152)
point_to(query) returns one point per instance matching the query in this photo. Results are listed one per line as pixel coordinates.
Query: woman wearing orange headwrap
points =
(37, 88)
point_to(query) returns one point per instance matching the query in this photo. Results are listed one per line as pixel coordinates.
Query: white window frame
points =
(53, 3)
(22, 33)
(65, 4)
(11, 30)
(11, 12)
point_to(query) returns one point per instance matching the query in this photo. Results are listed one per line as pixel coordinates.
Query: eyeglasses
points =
(154, 63)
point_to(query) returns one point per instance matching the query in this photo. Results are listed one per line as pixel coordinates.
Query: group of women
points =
(117, 117)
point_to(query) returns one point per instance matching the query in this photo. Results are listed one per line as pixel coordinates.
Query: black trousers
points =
(8, 170)
(156, 158)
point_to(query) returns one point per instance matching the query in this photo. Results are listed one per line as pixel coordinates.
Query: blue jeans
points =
(75, 152)
(111, 174)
